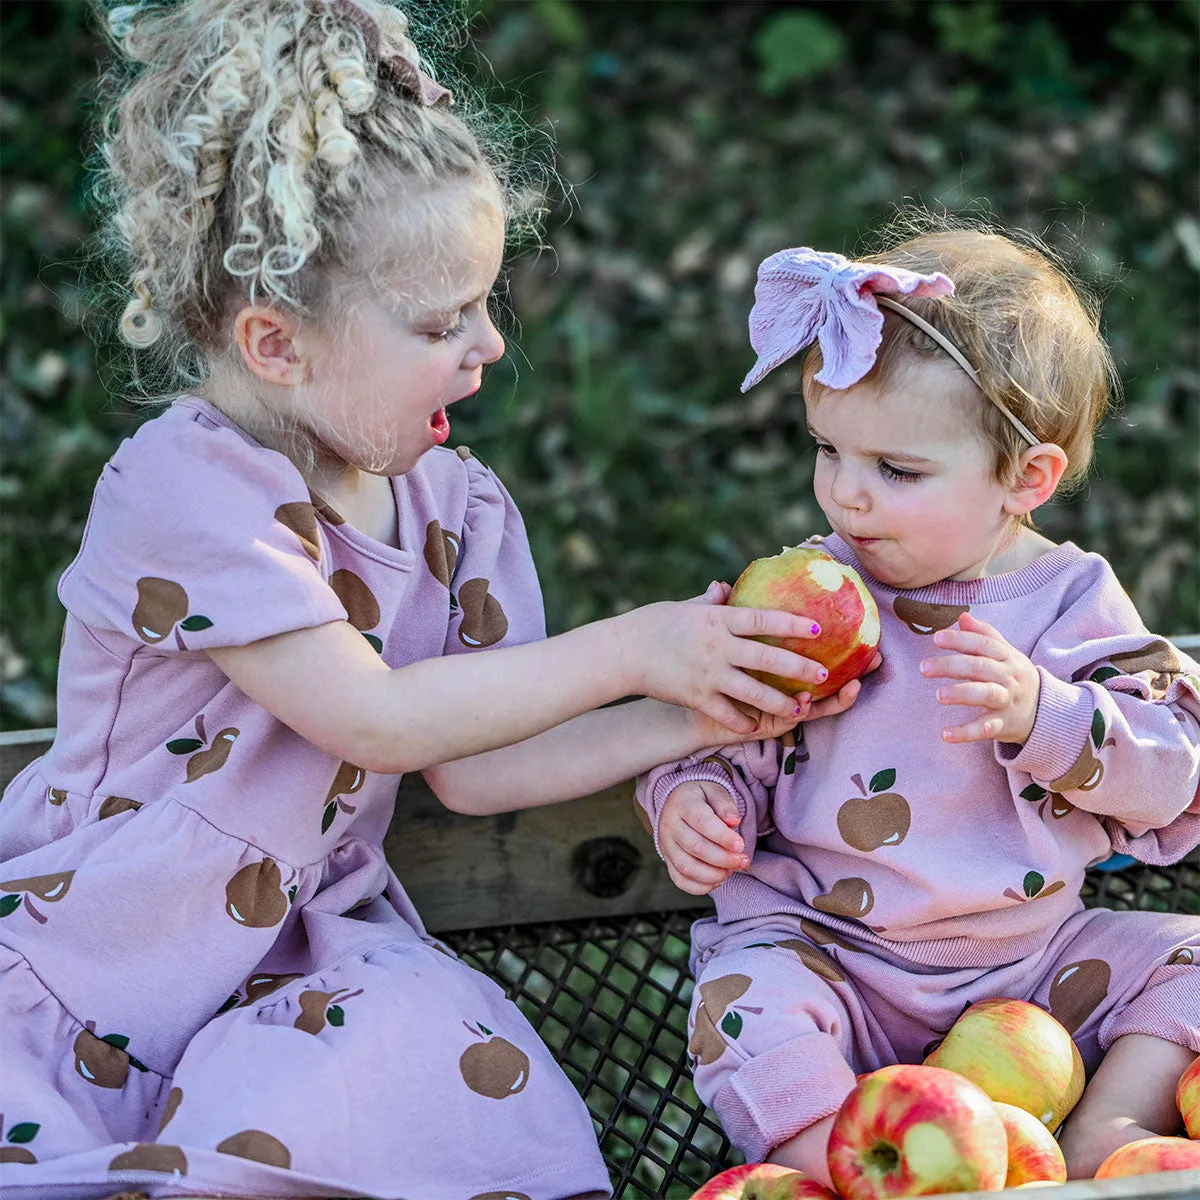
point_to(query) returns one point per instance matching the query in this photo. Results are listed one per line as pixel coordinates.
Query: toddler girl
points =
(884, 870)
(290, 592)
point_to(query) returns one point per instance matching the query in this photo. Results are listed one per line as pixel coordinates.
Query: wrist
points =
(626, 637)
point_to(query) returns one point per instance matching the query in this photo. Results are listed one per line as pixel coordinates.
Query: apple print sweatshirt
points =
(970, 854)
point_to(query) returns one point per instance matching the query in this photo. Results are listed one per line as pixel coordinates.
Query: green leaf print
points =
(327, 819)
(26, 1131)
(230, 1003)
(1098, 728)
(789, 763)
(732, 1024)
(195, 624)
(376, 644)
(336, 1015)
(882, 780)
(1100, 674)
(1033, 883)
(485, 1030)
(116, 1039)
(138, 1066)
(184, 745)
(9, 904)
(1033, 793)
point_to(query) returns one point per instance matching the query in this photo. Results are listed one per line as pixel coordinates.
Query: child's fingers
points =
(965, 666)
(769, 622)
(986, 645)
(721, 804)
(974, 731)
(740, 686)
(758, 656)
(832, 705)
(715, 593)
(970, 623)
(695, 878)
(722, 710)
(703, 823)
(976, 695)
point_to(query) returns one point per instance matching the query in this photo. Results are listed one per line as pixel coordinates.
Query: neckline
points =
(380, 551)
(987, 590)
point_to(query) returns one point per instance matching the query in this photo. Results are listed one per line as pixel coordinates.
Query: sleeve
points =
(748, 772)
(198, 539)
(1117, 730)
(495, 598)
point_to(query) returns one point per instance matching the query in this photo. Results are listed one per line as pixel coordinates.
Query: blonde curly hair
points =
(1030, 331)
(243, 140)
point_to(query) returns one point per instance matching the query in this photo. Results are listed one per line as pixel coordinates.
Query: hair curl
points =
(1029, 330)
(242, 141)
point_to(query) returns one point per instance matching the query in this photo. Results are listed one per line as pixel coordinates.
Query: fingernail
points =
(814, 629)
(798, 711)
(926, 667)
(941, 693)
(755, 729)
(822, 674)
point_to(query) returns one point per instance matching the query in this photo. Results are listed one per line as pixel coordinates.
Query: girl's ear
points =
(266, 339)
(1038, 471)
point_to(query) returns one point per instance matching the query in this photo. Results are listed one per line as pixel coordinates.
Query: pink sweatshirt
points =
(971, 854)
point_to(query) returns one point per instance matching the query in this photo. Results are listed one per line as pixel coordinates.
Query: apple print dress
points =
(212, 983)
(897, 878)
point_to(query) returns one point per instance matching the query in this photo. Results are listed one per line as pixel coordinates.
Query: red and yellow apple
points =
(1033, 1154)
(915, 1131)
(1019, 1054)
(810, 583)
(1149, 1155)
(1187, 1096)
(762, 1181)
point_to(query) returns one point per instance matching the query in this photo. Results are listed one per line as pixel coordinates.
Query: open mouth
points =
(439, 425)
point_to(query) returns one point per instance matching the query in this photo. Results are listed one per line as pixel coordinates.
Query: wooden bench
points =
(570, 910)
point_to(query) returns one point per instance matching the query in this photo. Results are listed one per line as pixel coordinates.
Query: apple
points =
(915, 1131)
(1187, 1096)
(1149, 1155)
(762, 1181)
(809, 582)
(1019, 1054)
(1033, 1154)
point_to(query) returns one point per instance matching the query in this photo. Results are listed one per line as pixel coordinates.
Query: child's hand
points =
(697, 653)
(697, 833)
(1000, 679)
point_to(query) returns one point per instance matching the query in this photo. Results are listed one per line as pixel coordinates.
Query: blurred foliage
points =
(695, 139)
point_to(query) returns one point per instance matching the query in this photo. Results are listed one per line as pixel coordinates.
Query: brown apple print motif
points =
(161, 609)
(493, 1067)
(817, 961)
(50, 889)
(360, 604)
(317, 1008)
(874, 818)
(325, 510)
(174, 1099)
(104, 1061)
(1076, 991)
(258, 1147)
(821, 936)
(1157, 659)
(501, 1196)
(254, 896)
(56, 796)
(483, 621)
(851, 898)
(441, 556)
(111, 806)
(715, 1009)
(1034, 887)
(346, 782)
(1059, 806)
(258, 985)
(151, 1156)
(1185, 956)
(203, 758)
(15, 1148)
(794, 750)
(1087, 771)
(927, 618)
(301, 518)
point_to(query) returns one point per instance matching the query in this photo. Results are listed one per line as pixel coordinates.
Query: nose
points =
(846, 489)
(489, 346)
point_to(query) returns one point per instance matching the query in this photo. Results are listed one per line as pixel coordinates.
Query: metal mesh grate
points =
(610, 997)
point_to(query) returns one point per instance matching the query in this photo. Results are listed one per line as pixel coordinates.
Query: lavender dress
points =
(211, 980)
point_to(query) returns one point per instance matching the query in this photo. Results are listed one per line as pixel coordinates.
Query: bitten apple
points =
(762, 1181)
(1149, 1155)
(807, 581)
(915, 1131)
(1187, 1096)
(1033, 1154)
(1019, 1054)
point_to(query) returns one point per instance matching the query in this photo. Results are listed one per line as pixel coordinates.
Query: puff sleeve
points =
(199, 538)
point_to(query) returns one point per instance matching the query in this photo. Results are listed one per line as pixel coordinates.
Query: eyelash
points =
(889, 472)
(447, 335)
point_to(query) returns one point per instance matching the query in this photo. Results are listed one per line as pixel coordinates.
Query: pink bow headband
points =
(805, 296)
(408, 74)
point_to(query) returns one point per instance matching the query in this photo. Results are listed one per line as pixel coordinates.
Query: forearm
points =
(583, 755)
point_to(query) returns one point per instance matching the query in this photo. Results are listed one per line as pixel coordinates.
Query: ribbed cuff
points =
(777, 1094)
(1060, 730)
(1168, 1008)
(708, 772)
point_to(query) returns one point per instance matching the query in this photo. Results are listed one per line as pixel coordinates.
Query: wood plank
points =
(585, 858)
(1163, 1185)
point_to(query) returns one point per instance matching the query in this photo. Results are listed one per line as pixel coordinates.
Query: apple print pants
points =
(786, 1012)
(396, 1071)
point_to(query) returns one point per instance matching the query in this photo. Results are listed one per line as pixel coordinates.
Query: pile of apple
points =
(979, 1114)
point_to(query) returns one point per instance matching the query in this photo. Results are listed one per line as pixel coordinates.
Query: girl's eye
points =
(446, 335)
(897, 474)
(824, 448)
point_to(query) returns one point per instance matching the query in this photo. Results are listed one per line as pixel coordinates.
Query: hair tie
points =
(407, 73)
(804, 296)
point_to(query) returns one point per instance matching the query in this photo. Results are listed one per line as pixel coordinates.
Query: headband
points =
(407, 73)
(805, 295)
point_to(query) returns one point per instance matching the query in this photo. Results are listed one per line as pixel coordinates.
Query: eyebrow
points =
(890, 455)
(446, 311)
